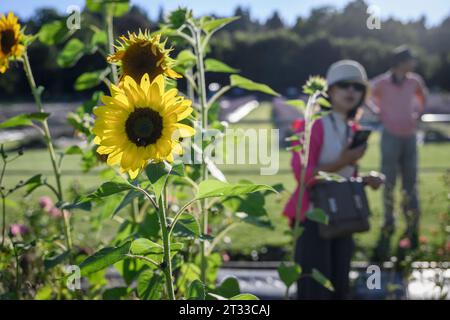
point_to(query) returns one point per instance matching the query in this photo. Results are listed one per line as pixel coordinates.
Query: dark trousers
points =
(331, 257)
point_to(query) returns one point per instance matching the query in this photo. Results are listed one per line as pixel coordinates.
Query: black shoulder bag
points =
(345, 203)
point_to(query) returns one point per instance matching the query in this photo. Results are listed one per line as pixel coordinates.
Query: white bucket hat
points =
(346, 70)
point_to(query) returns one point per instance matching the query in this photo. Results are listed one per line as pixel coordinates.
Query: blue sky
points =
(434, 10)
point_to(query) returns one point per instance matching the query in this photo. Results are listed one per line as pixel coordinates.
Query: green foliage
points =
(90, 79)
(320, 278)
(115, 7)
(24, 120)
(71, 53)
(317, 215)
(215, 188)
(104, 258)
(149, 285)
(53, 32)
(247, 84)
(213, 65)
(289, 273)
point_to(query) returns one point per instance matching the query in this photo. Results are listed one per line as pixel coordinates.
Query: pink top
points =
(315, 149)
(400, 105)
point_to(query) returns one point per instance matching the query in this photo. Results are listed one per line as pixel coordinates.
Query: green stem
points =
(178, 215)
(304, 164)
(167, 270)
(221, 235)
(16, 256)
(3, 203)
(204, 119)
(48, 140)
(110, 38)
(167, 264)
(4, 220)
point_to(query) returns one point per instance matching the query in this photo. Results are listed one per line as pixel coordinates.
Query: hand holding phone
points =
(360, 138)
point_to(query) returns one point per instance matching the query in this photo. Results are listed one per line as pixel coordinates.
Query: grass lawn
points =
(433, 193)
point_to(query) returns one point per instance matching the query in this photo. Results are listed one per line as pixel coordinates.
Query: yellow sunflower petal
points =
(184, 131)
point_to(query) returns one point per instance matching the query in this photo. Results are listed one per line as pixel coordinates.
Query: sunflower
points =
(140, 122)
(142, 53)
(11, 39)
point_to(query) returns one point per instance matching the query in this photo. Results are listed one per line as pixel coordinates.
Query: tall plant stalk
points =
(304, 158)
(110, 42)
(49, 142)
(199, 54)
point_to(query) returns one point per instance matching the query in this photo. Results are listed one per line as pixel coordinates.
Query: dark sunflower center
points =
(139, 60)
(7, 40)
(144, 127)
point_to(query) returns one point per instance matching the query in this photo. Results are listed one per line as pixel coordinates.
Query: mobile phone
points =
(360, 138)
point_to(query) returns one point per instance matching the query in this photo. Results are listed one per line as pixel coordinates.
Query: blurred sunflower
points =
(142, 53)
(11, 39)
(140, 122)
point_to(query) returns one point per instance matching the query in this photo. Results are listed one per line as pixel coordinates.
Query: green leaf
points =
(252, 204)
(73, 150)
(99, 38)
(229, 288)
(143, 246)
(324, 102)
(213, 65)
(298, 104)
(320, 278)
(244, 296)
(115, 7)
(158, 174)
(71, 53)
(149, 285)
(114, 293)
(262, 222)
(289, 274)
(178, 17)
(44, 293)
(24, 120)
(109, 188)
(187, 226)
(185, 59)
(33, 183)
(297, 233)
(215, 188)
(317, 215)
(104, 258)
(247, 84)
(90, 79)
(53, 33)
(126, 200)
(196, 290)
(53, 261)
(212, 25)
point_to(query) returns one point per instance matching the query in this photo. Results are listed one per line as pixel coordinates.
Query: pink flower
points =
(17, 229)
(225, 257)
(405, 243)
(46, 203)
(56, 213)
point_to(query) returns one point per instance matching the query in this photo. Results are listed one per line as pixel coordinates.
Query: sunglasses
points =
(357, 86)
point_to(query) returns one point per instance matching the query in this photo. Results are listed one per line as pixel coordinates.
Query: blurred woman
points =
(329, 151)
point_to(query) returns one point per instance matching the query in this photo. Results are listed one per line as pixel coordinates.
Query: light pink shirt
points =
(399, 105)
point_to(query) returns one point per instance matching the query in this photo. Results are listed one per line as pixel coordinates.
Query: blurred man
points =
(399, 96)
